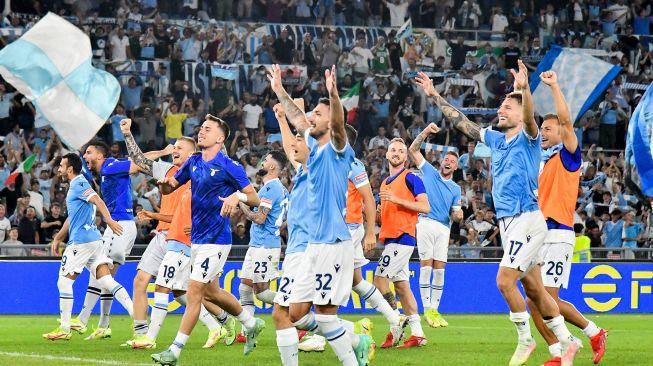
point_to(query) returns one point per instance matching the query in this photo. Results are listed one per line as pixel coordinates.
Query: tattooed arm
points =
(258, 217)
(295, 115)
(451, 114)
(140, 161)
(415, 147)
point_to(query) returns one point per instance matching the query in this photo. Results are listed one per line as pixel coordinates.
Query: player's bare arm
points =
(567, 133)
(104, 211)
(168, 185)
(521, 84)
(421, 203)
(258, 217)
(246, 195)
(450, 113)
(415, 148)
(294, 114)
(287, 138)
(61, 236)
(457, 215)
(338, 132)
(149, 215)
(369, 210)
(140, 161)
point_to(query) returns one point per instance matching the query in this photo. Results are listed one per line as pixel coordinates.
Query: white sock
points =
(179, 343)
(247, 298)
(559, 328)
(438, 285)
(307, 322)
(119, 292)
(591, 330)
(222, 317)
(415, 325)
(246, 319)
(106, 300)
(266, 296)
(337, 337)
(522, 324)
(555, 350)
(140, 327)
(288, 343)
(158, 315)
(349, 327)
(91, 298)
(181, 299)
(425, 286)
(208, 319)
(372, 296)
(65, 286)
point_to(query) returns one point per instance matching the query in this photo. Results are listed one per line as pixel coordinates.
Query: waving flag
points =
(51, 65)
(350, 101)
(639, 143)
(23, 167)
(228, 72)
(582, 78)
(405, 31)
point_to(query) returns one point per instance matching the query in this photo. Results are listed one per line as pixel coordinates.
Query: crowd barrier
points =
(30, 287)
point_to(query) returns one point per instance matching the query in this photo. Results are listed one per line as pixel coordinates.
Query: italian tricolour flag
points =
(23, 167)
(350, 101)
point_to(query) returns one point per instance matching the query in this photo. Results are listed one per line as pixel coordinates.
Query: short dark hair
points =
(516, 96)
(222, 124)
(352, 134)
(101, 146)
(578, 228)
(74, 161)
(280, 158)
(550, 116)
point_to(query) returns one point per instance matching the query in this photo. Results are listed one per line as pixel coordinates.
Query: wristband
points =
(242, 197)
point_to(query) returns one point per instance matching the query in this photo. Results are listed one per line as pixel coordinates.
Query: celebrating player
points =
(558, 190)
(433, 228)
(85, 249)
(327, 270)
(515, 161)
(403, 197)
(115, 185)
(217, 185)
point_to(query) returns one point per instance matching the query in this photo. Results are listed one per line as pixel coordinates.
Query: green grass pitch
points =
(469, 340)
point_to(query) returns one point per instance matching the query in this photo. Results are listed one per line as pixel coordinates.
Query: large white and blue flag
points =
(639, 144)
(583, 79)
(51, 65)
(228, 72)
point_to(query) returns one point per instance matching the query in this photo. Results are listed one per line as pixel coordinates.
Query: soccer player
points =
(217, 185)
(261, 263)
(327, 271)
(558, 190)
(85, 249)
(433, 228)
(298, 227)
(403, 198)
(152, 262)
(116, 189)
(516, 157)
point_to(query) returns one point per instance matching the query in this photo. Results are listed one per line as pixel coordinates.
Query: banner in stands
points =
(30, 287)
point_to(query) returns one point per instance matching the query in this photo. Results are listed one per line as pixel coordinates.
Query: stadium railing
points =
(456, 253)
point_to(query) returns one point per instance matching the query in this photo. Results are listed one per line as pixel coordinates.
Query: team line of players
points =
(331, 216)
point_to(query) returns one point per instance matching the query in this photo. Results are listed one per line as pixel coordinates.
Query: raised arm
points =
(521, 84)
(451, 114)
(294, 114)
(287, 138)
(338, 133)
(567, 133)
(415, 148)
(140, 161)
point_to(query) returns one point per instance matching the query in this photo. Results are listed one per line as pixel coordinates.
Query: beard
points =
(394, 165)
(262, 172)
(317, 134)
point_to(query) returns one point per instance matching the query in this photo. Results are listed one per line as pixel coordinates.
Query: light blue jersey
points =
(515, 171)
(444, 194)
(274, 196)
(298, 214)
(81, 213)
(328, 172)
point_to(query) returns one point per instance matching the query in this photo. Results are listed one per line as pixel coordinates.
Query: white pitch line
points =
(64, 358)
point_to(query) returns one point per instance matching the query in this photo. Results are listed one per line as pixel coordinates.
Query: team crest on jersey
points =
(213, 171)
(194, 168)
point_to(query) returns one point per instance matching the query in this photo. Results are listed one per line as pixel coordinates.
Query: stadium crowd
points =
(472, 75)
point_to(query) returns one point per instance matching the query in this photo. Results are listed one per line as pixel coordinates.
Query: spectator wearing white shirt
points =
(499, 24)
(120, 50)
(397, 11)
(13, 241)
(5, 225)
(620, 12)
(252, 114)
(379, 140)
(362, 56)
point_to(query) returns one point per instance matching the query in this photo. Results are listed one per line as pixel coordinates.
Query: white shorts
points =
(432, 240)
(357, 236)
(291, 266)
(207, 261)
(119, 246)
(556, 254)
(261, 265)
(174, 271)
(76, 257)
(153, 256)
(326, 274)
(393, 263)
(522, 238)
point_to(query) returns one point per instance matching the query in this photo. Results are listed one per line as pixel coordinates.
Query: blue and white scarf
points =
(548, 153)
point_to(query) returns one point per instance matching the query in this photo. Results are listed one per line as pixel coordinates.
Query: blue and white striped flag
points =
(405, 31)
(427, 147)
(228, 72)
(639, 142)
(582, 78)
(51, 65)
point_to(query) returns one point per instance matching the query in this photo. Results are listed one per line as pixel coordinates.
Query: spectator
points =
(252, 114)
(309, 54)
(362, 56)
(52, 223)
(120, 50)
(13, 242)
(548, 25)
(379, 140)
(190, 47)
(131, 96)
(611, 113)
(173, 120)
(612, 230)
(284, 49)
(632, 235)
(330, 50)
(5, 105)
(510, 55)
(499, 24)
(459, 52)
(5, 225)
(5, 171)
(240, 235)
(620, 12)
(469, 14)
(29, 227)
(642, 22)
(398, 10)
(381, 60)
